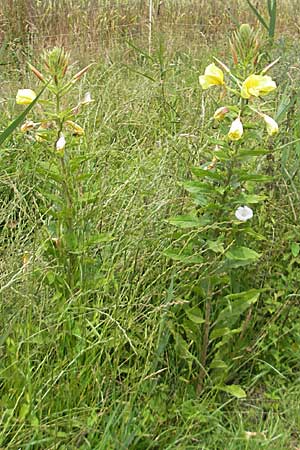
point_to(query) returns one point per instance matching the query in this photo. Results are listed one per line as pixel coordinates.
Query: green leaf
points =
(218, 364)
(215, 246)
(202, 173)
(245, 154)
(249, 199)
(235, 390)
(99, 239)
(240, 256)
(254, 234)
(24, 410)
(196, 187)
(187, 259)
(194, 314)
(188, 221)
(257, 178)
(10, 129)
(244, 253)
(295, 248)
(237, 304)
(219, 332)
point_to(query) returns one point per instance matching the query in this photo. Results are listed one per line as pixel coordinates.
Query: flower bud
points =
(78, 75)
(36, 72)
(77, 130)
(272, 125)
(220, 113)
(60, 144)
(236, 130)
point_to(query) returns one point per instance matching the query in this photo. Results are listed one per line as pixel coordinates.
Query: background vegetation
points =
(109, 366)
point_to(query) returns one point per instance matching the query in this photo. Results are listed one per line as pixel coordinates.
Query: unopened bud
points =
(220, 113)
(36, 72)
(60, 144)
(81, 72)
(77, 129)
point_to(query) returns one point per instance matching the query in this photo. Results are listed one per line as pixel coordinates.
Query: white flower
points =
(60, 143)
(244, 213)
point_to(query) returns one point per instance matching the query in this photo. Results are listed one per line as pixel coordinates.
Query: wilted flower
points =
(60, 144)
(213, 76)
(272, 125)
(257, 85)
(236, 130)
(77, 129)
(25, 96)
(212, 164)
(27, 125)
(244, 213)
(220, 113)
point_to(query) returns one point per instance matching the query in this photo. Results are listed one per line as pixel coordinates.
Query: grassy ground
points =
(102, 370)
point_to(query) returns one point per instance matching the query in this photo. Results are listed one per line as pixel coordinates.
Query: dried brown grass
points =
(93, 26)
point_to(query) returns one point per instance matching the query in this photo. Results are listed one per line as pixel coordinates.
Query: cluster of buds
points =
(58, 82)
(245, 45)
(254, 86)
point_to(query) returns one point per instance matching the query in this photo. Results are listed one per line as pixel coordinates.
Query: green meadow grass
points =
(101, 370)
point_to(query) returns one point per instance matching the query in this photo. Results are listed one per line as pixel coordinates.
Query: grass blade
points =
(260, 18)
(273, 13)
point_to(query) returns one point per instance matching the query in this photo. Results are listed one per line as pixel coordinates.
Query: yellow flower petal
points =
(257, 85)
(25, 96)
(213, 76)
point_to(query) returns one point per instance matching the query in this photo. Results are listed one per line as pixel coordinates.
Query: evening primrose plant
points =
(57, 133)
(221, 234)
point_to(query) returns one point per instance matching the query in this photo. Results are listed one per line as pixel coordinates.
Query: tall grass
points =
(100, 370)
(94, 27)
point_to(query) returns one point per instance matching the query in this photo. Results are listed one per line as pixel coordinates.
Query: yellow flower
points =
(220, 113)
(257, 85)
(77, 130)
(272, 125)
(236, 130)
(213, 76)
(25, 96)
